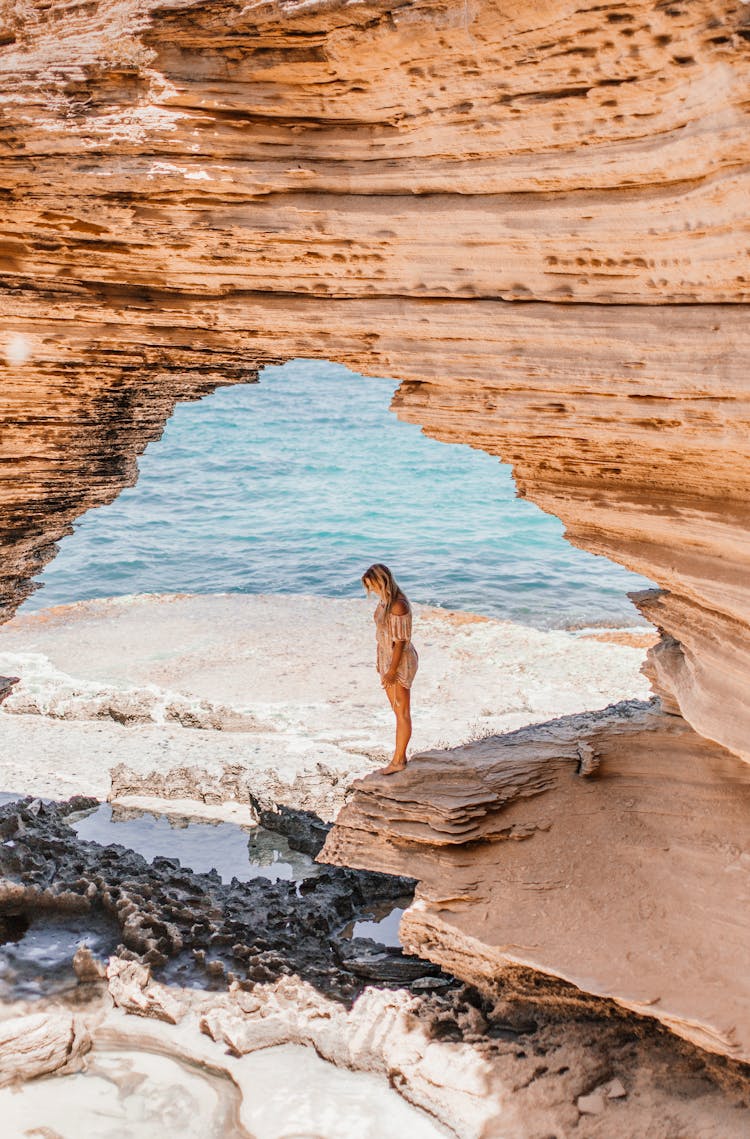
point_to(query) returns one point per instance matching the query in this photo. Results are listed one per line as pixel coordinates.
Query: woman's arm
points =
(399, 608)
(398, 650)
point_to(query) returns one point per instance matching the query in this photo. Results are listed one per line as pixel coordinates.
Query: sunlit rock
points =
(36, 1045)
(626, 883)
(535, 216)
(201, 191)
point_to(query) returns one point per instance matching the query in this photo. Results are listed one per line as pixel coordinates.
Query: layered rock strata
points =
(607, 850)
(534, 215)
(532, 1061)
(36, 1045)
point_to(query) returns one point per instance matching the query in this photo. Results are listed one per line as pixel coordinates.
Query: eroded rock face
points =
(38, 1044)
(607, 850)
(194, 190)
(529, 1060)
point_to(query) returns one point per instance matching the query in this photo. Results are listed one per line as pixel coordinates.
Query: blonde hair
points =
(382, 576)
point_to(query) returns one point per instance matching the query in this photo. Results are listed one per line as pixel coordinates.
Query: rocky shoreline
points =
(533, 217)
(177, 960)
(248, 932)
(257, 964)
(213, 697)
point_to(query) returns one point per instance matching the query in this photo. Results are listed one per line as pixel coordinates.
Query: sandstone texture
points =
(36, 1045)
(607, 850)
(534, 215)
(521, 1064)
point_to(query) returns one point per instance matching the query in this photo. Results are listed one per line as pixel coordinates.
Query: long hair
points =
(382, 576)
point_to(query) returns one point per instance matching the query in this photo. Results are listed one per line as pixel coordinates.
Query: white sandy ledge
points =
(218, 694)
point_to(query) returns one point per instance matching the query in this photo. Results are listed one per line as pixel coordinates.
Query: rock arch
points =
(534, 214)
(535, 218)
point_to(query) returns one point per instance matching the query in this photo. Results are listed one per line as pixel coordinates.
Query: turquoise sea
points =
(297, 484)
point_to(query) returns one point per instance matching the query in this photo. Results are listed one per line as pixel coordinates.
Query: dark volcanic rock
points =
(303, 830)
(194, 926)
(365, 958)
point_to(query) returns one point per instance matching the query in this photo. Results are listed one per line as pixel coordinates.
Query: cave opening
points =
(294, 485)
(216, 606)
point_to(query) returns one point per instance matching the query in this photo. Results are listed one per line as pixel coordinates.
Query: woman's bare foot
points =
(393, 766)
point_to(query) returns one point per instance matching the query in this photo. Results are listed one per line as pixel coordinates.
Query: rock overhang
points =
(534, 216)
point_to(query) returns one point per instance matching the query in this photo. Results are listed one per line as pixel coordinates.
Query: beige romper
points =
(390, 629)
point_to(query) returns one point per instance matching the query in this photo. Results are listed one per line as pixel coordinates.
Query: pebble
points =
(592, 1104)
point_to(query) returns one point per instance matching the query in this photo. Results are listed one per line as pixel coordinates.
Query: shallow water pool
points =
(381, 926)
(233, 851)
(37, 949)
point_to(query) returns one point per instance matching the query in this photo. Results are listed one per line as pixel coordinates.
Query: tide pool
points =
(295, 485)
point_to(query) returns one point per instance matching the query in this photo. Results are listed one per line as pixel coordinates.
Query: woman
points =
(397, 658)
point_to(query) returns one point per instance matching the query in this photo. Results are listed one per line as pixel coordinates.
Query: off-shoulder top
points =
(399, 625)
(395, 627)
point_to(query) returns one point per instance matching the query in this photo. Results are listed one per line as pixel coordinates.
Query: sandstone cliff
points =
(534, 214)
(186, 184)
(631, 883)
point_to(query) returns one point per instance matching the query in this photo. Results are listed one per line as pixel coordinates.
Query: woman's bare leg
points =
(400, 698)
(402, 706)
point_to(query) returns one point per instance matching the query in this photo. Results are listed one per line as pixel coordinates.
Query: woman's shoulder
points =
(400, 607)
